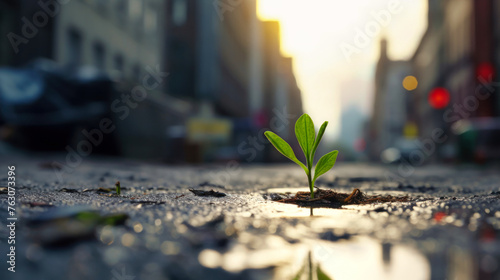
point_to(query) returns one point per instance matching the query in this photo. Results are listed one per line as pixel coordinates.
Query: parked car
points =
(42, 105)
(478, 139)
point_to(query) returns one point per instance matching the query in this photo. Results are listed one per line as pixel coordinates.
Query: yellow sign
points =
(410, 130)
(208, 130)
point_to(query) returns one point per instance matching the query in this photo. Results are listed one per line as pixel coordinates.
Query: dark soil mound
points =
(333, 199)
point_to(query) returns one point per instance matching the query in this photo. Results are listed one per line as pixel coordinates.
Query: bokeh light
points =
(485, 71)
(439, 98)
(410, 83)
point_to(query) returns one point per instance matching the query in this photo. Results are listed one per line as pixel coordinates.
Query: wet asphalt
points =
(72, 225)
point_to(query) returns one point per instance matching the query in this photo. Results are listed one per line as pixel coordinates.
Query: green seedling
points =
(306, 136)
(118, 188)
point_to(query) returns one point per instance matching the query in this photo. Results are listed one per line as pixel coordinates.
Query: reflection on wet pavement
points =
(357, 258)
(444, 232)
(282, 210)
(365, 258)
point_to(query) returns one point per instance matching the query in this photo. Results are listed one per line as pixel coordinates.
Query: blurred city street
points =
(152, 139)
(76, 228)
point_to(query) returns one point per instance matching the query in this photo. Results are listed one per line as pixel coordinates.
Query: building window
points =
(74, 48)
(150, 20)
(99, 56)
(122, 10)
(136, 72)
(102, 5)
(179, 12)
(119, 63)
(135, 10)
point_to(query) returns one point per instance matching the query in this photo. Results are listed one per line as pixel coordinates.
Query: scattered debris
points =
(50, 165)
(379, 210)
(39, 204)
(68, 190)
(214, 233)
(438, 216)
(118, 188)
(330, 236)
(103, 192)
(177, 197)
(207, 193)
(65, 226)
(100, 190)
(275, 196)
(147, 202)
(208, 184)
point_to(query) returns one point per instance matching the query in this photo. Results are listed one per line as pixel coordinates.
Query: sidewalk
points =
(72, 225)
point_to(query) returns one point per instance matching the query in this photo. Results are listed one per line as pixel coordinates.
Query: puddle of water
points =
(240, 257)
(323, 218)
(357, 258)
(365, 258)
(284, 210)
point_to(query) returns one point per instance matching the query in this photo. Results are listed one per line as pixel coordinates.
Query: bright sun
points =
(312, 32)
(305, 23)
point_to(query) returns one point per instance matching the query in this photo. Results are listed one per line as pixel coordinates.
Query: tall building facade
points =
(389, 114)
(123, 39)
(455, 65)
(120, 38)
(458, 54)
(223, 62)
(9, 12)
(428, 66)
(224, 56)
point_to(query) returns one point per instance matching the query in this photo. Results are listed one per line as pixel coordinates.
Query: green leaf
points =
(304, 131)
(283, 147)
(325, 163)
(321, 274)
(318, 139)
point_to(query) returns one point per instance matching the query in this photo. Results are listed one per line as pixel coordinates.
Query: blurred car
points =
(478, 139)
(401, 150)
(42, 105)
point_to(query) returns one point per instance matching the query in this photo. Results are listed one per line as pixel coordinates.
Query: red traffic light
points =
(439, 98)
(485, 71)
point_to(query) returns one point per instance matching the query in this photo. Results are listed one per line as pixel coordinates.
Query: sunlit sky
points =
(313, 32)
